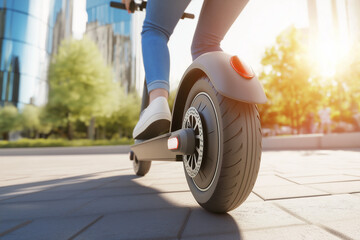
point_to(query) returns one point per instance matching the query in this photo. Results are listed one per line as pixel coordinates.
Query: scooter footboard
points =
(154, 149)
(167, 147)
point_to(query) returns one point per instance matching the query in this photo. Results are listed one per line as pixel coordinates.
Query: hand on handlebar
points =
(127, 4)
(131, 7)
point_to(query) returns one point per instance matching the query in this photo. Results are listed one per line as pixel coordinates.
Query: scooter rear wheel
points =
(231, 148)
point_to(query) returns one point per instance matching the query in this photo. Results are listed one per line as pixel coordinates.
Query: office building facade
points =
(30, 31)
(111, 30)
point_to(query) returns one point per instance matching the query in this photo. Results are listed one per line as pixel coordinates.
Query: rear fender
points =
(216, 65)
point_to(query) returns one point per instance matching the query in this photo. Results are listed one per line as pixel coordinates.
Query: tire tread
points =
(247, 142)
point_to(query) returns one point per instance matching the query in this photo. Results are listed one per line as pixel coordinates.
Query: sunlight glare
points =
(332, 44)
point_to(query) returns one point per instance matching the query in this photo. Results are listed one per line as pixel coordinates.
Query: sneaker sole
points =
(155, 129)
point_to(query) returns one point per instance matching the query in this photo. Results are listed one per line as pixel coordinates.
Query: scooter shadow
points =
(117, 207)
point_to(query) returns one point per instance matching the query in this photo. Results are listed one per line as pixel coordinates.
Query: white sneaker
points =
(154, 120)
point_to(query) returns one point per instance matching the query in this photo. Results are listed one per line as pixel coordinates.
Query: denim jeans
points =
(215, 19)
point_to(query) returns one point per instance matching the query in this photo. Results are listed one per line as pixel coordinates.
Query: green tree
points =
(9, 120)
(122, 122)
(30, 120)
(292, 93)
(81, 86)
(33, 121)
(344, 91)
(128, 114)
(351, 75)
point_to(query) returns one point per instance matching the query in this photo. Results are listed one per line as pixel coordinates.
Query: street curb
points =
(121, 149)
(297, 142)
(313, 141)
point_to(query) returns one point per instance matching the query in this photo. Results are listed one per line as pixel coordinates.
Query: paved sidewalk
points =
(298, 195)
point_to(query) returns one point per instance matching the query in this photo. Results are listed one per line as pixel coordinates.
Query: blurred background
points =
(72, 69)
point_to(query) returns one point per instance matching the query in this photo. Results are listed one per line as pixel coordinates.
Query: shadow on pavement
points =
(116, 207)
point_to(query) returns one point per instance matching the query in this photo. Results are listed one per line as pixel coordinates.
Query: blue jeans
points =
(215, 19)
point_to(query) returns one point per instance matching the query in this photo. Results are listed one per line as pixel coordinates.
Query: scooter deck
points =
(155, 149)
(167, 147)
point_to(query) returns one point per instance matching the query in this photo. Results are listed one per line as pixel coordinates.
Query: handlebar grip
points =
(132, 7)
(188, 15)
(117, 5)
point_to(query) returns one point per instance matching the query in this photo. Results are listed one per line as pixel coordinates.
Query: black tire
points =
(141, 168)
(232, 148)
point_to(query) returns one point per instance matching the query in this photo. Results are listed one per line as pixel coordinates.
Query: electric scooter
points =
(215, 129)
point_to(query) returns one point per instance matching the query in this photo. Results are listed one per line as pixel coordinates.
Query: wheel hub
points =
(192, 162)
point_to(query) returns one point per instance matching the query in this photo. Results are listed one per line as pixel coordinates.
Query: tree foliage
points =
(80, 84)
(123, 120)
(30, 118)
(343, 94)
(9, 120)
(291, 91)
(81, 91)
(33, 121)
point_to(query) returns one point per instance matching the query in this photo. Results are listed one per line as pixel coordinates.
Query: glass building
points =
(111, 29)
(30, 31)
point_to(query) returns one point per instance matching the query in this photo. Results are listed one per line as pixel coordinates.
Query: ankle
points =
(159, 92)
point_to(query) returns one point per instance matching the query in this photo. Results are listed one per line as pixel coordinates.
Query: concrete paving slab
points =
(106, 187)
(302, 232)
(81, 184)
(338, 187)
(269, 173)
(12, 182)
(10, 178)
(174, 187)
(42, 196)
(354, 173)
(180, 199)
(57, 228)
(112, 192)
(215, 224)
(257, 215)
(253, 215)
(323, 179)
(163, 174)
(309, 173)
(325, 208)
(186, 199)
(11, 225)
(160, 181)
(39, 166)
(132, 181)
(107, 205)
(145, 224)
(228, 236)
(10, 192)
(271, 180)
(288, 191)
(253, 198)
(349, 228)
(61, 189)
(32, 210)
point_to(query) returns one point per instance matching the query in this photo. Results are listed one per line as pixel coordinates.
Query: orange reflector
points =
(173, 143)
(241, 68)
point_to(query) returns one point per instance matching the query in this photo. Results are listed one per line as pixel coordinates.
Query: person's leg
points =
(160, 21)
(215, 19)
